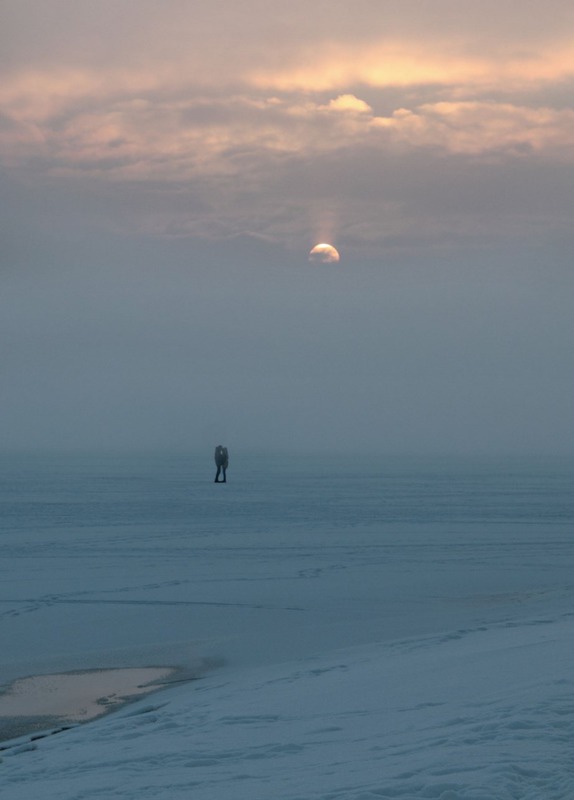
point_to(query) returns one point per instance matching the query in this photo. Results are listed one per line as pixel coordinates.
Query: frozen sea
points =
(356, 628)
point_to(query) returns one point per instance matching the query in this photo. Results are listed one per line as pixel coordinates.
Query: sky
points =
(165, 168)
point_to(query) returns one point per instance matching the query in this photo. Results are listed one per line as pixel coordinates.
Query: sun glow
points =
(324, 253)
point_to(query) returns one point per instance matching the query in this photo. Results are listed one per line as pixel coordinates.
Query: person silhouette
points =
(221, 462)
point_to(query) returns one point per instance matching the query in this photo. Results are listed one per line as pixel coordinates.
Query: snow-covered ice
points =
(477, 714)
(405, 633)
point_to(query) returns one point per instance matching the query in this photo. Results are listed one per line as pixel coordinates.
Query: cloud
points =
(484, 129)
(348, 102)
(135, 131)
(229, 37)
(331, 66)
(253, 113)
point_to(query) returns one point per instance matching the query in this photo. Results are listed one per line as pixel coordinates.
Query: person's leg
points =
(217, 474)
(224, 475)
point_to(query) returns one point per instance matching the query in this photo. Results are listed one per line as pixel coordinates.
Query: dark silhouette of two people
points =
(221, 462)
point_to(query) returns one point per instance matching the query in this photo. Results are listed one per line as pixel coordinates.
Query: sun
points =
(324, 254)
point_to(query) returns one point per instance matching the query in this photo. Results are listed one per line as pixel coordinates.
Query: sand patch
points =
(78, 696)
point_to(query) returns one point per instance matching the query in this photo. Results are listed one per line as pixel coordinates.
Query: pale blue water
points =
(118, 560)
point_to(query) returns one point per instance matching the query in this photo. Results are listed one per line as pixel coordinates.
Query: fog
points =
(117, 343)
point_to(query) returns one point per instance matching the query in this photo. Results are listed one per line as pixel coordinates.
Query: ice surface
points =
(402, 633)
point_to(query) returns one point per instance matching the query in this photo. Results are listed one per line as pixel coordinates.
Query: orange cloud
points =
(141, 112)
(407, 63)
(131, 130)
(348, 102)
(479, 128)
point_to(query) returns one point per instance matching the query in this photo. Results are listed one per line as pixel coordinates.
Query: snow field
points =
(479, 715)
